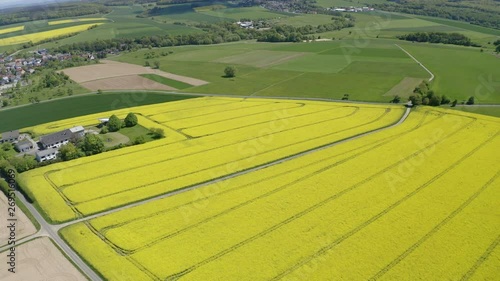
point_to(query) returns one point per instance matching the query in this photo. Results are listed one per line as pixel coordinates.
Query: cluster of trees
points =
(90, 144)
(288, 33)
(215, 33)
(423, 95)
(439, 37)
(115, 123)
(497, 45)
(482, 13)
(50, 11)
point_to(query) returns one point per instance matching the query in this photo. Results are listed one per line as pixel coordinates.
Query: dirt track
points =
(40, 260)
(113, 69)
(24, 227)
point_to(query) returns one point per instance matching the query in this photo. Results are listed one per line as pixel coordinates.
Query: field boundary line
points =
(277, 83)
(432, 75)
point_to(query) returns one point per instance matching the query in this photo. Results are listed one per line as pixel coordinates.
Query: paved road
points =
(52, 230)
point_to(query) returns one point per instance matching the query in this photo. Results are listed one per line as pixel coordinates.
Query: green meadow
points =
(317, 69)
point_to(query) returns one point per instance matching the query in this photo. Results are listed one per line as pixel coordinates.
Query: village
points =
(17, 69)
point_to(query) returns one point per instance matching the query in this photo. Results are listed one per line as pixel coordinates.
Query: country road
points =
(51, 231)
(426, 69)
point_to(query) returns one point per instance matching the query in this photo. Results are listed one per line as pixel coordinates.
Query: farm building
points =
(45, 155)
(60, 138)
(24, 145)
(11, 136)
(104, 121)
(77, 131)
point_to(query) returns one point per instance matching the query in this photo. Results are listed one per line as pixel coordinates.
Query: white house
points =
(46, 155)
(61, 138)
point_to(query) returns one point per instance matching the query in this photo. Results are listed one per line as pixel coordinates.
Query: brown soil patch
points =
(128, 82)
(404, 88)
(112, 69)
(24, 227)
(40, 260)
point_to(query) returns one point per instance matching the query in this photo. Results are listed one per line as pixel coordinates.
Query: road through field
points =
(48, 230)
(426, 69)
(51, 231)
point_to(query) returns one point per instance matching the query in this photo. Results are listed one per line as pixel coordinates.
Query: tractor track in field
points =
(275, 190)
(481, 259)
(51, 230)
(439, 225)
(226, 163)
(218, 147)
(103, 230)
(313, 208)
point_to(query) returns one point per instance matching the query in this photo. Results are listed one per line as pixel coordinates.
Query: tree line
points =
(439, 37)
(215, 33)
(50, 11)
(480, 13)
(288, 33)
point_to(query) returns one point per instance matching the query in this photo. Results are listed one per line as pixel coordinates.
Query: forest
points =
(474, 12)
(52, 11)
(439, 37)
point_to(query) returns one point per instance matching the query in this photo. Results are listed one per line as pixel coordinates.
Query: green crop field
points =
(321, 69)
(29, 115)
(486, 110)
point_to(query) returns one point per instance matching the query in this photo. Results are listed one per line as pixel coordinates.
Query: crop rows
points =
(365, 205)
(39, 36)
(258, 132)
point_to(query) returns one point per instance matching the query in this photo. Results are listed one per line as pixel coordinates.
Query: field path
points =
(49, 230)
(426, 69)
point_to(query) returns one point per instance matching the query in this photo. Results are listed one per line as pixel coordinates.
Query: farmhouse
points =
(45, 155)
(11, 136)
(24, 145)
(60, 138)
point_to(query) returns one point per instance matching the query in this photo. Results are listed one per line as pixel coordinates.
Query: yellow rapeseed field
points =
(11, 29)
(74, 20)
(199, 147)
(39, 36)
(393, 205)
